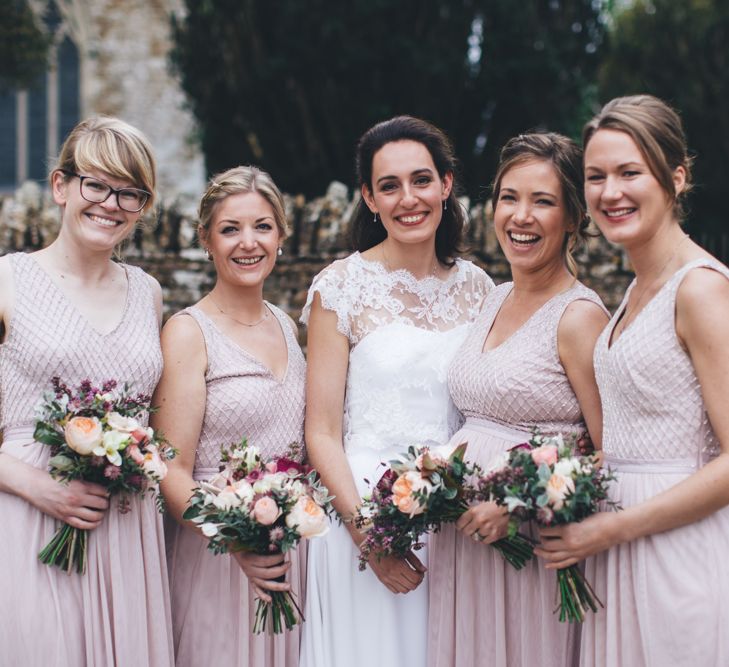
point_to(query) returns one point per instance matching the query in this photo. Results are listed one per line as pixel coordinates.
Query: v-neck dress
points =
(117, 613)
(482, 611)
(213, 606)
(666, 595)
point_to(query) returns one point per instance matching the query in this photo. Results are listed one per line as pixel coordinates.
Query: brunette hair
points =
(112, 146)
(366, 232)
(657, 130)
(565, 156)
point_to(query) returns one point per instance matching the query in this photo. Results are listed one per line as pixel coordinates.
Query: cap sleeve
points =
(332, 287)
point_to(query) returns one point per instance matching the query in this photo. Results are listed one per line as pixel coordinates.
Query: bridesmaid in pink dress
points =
(233, 368)
(69, 310)
(526, 364)
(662, 366)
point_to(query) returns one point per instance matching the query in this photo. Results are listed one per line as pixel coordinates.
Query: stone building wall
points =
(168, 249)
(123, 50)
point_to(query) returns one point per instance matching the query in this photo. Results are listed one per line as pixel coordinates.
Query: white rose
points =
(121, 423)
(244, 490)
(262, 486)
(307, 518)
(227, 499)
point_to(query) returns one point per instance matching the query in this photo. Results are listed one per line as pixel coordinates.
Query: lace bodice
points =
(520, 383)
(403, 333)
(652, 405)
(366, 296)
(48, 336)
(245, 399)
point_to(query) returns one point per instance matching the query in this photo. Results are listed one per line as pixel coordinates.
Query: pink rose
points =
(545, 454)
(135, 454)
(266, 511)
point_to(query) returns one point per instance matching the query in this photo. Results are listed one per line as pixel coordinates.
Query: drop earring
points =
(208, 255)
(279, 252)
(445, 204)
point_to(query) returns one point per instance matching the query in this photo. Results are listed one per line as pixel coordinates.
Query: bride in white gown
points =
(384, 323)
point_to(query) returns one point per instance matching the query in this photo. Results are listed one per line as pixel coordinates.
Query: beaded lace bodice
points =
(244, 398)
(520, 383)
(48, 336)
(652, 405)
(403, 333)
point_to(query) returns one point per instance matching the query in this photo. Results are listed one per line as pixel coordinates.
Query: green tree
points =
(23, 45)
(291, 85)
(679, 51)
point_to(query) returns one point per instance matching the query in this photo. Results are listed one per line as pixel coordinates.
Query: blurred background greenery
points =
(290, 85)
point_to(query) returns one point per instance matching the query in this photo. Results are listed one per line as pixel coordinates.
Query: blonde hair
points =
(109, 145)
(242, 180)
(565, 156)
(657, 131)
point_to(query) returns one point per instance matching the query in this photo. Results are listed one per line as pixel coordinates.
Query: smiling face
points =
(530, 218)
(96, 226)
(407, 192)
(243, 239)
(624, 198)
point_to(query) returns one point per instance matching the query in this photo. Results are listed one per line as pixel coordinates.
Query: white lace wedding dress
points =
(403, 333)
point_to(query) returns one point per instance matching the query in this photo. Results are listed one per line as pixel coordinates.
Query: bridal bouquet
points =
(547, 481)
(96, 434)
(262, 508)
(417, 495)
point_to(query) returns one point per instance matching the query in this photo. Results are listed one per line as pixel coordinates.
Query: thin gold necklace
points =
(627, 315)
(245, 324)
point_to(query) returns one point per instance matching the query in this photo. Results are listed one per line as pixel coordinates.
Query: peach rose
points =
(266, 511)
(83, 434)
(545, 454)
(307, 518)
(558, 487)
(404, 488)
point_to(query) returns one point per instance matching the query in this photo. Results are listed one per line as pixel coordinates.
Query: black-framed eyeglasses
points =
(96, 191)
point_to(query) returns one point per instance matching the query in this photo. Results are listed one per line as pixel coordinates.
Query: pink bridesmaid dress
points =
(482, 611)
(117, 613)
(213, 606)
(666, 595)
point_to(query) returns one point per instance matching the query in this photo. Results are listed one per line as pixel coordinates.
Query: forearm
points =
(327, 455)
(691, 500)
(177, 488)
(16, 476)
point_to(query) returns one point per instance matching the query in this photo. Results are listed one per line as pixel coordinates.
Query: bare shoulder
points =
(182, 336)
(702, 302)
(581, 315)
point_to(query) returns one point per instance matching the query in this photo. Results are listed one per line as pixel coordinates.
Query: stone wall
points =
(167, 248)
(123, 50)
